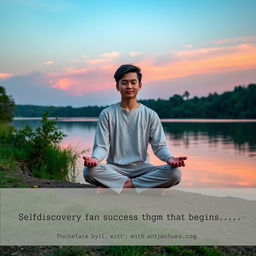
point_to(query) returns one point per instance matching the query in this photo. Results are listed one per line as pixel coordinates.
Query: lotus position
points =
(123, 133)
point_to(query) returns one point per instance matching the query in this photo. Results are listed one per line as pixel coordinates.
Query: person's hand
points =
(90, 161)
(176, 161)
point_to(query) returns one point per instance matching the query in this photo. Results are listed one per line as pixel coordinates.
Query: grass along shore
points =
(37, 151)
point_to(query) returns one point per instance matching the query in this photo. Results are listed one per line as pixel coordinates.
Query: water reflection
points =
(240, 135)
(220, 155)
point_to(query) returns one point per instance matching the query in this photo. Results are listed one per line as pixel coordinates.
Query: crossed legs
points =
(139, 176)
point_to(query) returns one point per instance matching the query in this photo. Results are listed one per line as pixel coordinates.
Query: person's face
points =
(129, 85)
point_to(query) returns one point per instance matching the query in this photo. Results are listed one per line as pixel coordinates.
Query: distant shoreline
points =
(236, 104)
(167, 120)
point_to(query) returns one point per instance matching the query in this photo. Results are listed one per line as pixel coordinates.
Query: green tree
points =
(7, 106)
(186, 95)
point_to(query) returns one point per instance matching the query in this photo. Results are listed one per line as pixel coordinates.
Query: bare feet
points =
(128, 184)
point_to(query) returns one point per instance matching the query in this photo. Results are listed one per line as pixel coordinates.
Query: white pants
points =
(143, 175)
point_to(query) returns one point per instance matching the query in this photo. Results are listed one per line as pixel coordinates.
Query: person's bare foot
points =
(128, 184)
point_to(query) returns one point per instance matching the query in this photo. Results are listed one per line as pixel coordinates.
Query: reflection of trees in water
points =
(241, 134)
(81, 125)
(21, 123)
(67, 125)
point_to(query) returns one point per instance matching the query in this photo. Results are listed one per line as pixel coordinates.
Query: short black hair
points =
(126, 68)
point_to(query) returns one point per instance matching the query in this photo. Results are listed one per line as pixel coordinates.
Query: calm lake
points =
(221, 153)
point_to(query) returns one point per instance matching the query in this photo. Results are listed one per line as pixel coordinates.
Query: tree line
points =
(239, 103)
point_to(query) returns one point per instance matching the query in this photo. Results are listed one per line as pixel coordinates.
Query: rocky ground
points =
(31, 181)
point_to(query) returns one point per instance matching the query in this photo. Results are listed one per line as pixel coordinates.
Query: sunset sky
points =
(64, 52)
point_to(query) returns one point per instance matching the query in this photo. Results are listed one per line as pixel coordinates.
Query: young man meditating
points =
(123, 133)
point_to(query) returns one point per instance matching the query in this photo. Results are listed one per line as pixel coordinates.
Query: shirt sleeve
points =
(157, 139)
(101, 139)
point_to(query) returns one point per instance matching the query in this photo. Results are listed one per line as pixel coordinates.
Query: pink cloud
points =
(49, 62)
(107, 58)
(97, 61)
(200, 61)
(188, 46)
(84, 80)
(5, 75)
(199, 52)
(242, 39)
(63, 83)
(97, 74)
(74, 60)
(110, 54)
(133, 54)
